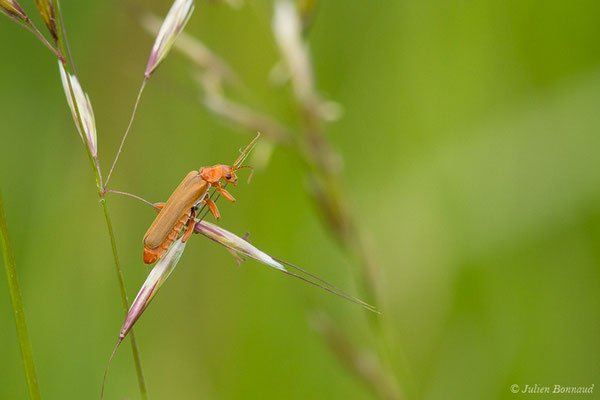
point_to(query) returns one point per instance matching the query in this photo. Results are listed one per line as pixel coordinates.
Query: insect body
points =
(180, 209)
(174, 214)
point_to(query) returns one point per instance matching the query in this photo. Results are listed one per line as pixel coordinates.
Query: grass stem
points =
(137, 101)
(17, 304)
(125, 301)
(33, 29)
(99, 184)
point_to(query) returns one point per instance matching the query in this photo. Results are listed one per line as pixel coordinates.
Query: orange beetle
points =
(180, 209)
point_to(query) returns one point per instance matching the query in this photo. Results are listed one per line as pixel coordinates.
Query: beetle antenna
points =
(236, 165)
(251, 171)
(240, 160)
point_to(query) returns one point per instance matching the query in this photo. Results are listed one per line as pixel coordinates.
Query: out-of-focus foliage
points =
(470, 143)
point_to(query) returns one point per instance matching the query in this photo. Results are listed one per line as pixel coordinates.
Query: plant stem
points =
(96, 168)
(131, 195)
(17, 304)
(27, 24)
(137, 101)
(125, 301)
(99, 185)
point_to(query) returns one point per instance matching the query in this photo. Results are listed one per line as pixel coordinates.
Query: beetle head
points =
(229, 175)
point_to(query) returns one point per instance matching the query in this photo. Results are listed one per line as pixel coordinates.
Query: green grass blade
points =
(17, 304)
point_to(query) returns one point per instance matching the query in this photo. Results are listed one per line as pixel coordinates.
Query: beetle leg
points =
(212, 207)
(158, 206)
(188, 233)
(191, 224)
(225, 193)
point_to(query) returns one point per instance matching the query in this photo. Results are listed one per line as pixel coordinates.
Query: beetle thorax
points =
(215, 173)
(211, 174)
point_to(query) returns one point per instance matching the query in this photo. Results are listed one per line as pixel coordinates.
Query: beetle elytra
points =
(180, 209)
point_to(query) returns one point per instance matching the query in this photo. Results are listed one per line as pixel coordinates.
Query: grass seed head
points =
(84, 106)
(235, 243)
(154, 281)
(176, 19)
(48, 14)
(13, 10)
(241, 245)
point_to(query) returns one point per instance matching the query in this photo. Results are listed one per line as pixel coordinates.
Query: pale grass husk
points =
(176, 19)
(84, 106)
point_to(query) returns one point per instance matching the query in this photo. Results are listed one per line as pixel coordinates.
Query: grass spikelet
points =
(13, 9)
(46, 10)
(235, 243)
(84, 106)
(154, 281)
(178, 16)
(241, 245)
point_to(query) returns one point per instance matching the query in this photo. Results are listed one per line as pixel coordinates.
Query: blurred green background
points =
(470, 144)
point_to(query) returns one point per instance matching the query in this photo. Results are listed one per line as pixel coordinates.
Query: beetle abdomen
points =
(153, 254)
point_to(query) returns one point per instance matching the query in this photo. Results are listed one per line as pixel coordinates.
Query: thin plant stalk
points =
(96, 167)
(176, 19)
(118, 270)
(130, 195)
(125, 301)
(135, 106)
(33, 29)
(17, 304)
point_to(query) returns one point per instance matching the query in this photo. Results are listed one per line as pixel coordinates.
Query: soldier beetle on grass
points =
(165, 240)
(180, 213)
(181, 208)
